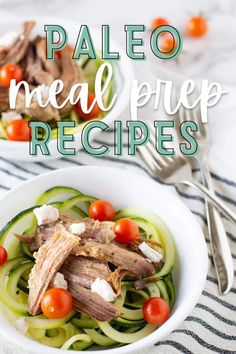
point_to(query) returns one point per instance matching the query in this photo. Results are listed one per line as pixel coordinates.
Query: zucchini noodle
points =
(54, 341)
(76, 338)
(78, 331)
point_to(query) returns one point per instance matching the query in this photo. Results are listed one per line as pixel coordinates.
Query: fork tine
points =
(152, 132)
(194, 115)
(187, 115)
(181, 113)
(197, 119)
(148, 159)
(194, 111)
(156, 156)
(182, 116)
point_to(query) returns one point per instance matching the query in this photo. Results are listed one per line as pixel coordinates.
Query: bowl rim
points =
(125, 66)
(180, 313)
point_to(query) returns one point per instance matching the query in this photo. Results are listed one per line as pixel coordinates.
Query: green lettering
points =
(84, 45)
(51, 45)
(132, 42)
(162, 138)
(191, 147)
(134, 142)
(63, 138)
(87, 130)
(106, 54)
(177, 42)
(41, 135)
(118, 148)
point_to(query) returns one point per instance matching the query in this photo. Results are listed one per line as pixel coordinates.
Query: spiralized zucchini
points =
(78, 331)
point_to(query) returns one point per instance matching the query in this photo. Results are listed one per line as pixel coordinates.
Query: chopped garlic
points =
(150, 253)
(8, 38)
(59, 281)
(46, 214)
(104, 289)
(10, 116)
(77, 229)
(21, 325)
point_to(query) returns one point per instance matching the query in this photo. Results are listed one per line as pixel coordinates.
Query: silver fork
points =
(176, 170)
(221, 253)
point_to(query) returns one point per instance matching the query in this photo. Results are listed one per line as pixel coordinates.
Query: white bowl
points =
(124, 189)
(122, 78)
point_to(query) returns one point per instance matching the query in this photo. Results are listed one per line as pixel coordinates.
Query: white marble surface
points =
(212, 57)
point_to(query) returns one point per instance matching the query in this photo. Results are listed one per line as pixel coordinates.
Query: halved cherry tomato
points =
(57, 303)
(3, 255)
(167, 44)
(18, 130)
(126, 231)
(9, 72)
(157, 22)
(156, 311)
(197, 26)
(101, 210)
(95, 111)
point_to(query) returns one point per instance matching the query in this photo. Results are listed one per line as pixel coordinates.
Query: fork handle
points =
(213, 199)
(219, 243)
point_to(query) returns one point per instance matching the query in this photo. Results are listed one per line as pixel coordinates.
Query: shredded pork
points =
(94, 230)
(17, 51)
(92, 304)
(30, 55)
(82, 259)
(121, 257)
(84, 271)
(48, 260)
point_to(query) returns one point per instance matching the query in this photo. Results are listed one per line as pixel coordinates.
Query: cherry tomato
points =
(9, 72)
(18, 130)
(156, 311)
(159, 21)
(101, 210)
(3, 255)
(167, 44)
(95, 111)
(57, 303)
(197, 26)
(126, 231)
